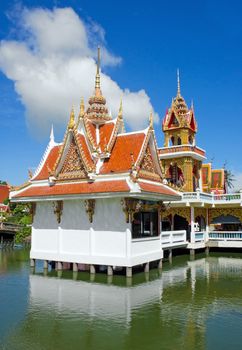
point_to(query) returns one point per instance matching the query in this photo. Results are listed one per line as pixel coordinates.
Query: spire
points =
(151, 120)
(97, 79)
(178, 83)
(192, 105)
(72, 119)
(120, 112)
(52, 137)
(82, 109)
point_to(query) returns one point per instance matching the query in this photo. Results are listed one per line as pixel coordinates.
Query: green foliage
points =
(3, 182)
(20, 215)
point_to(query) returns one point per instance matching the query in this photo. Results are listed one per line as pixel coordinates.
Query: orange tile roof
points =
(4, 192)
(74, 188)
(83, 144)
(159, 189)
(91, 131)
(49, 164)
(125, 152)
(105, 132)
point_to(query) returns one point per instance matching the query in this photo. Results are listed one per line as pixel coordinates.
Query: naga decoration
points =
(58, 209)
(90, 207)
(130, 207)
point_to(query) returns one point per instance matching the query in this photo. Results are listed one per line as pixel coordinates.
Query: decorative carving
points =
(213, 213)
(148, 163)
(184, 212)
(73, 167)
(200, 212)
(130, 207)
(90, 207)
(58, 208)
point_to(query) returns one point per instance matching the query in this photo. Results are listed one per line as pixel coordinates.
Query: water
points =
(191, 305)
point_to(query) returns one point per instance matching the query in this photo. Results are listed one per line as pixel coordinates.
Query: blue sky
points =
(145, 42)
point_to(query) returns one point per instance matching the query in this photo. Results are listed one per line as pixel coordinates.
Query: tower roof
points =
(97, 110)
(179, 115)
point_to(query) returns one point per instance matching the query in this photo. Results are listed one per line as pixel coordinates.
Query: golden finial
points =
(120, 112)
(178, 83)
(151, 120)
(97, 80)
(82, 109)
(72, 119)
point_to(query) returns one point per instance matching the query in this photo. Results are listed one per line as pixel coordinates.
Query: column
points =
(206, 238)
(32, 262)
(92, 269)
(128, 271)
(192, 225)
(75, 267)
(147, 267)
(160, 264)
(109, 271)
(45, 264)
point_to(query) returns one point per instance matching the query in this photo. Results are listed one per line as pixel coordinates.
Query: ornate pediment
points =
(73, 166)
(148, 168)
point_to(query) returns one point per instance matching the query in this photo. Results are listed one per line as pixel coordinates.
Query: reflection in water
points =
(184, 308)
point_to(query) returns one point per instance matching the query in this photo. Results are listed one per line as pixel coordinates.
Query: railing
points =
(211, 197)
(225, 235)
(173, 238)
(199, 236)
(182, 148)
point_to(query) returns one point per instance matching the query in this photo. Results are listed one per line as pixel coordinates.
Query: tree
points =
(229, 178)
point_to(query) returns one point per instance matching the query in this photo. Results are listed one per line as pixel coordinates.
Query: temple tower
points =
(181, 159)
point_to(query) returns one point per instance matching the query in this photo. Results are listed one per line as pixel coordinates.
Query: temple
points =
(108, 198)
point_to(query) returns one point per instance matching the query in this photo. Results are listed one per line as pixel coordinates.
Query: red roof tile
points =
(4, 192)
(75, 188)
(105, 133)
(159, 189)
(125, 152)
(49, 164)
(84, 147)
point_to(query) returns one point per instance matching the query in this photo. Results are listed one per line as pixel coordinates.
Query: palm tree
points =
(229, 178)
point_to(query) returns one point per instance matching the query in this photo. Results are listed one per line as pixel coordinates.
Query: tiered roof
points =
(97, 158)
(179, 115)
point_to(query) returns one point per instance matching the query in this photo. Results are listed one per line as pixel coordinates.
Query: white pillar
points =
(92, 269)
(160, 264)
(59, 266)
(128, 271)
(109, 271)
(147, 267)
(32, 262)
(75, 267)
(192, 225)
(206, 238)
(172, 222)
(45, 264)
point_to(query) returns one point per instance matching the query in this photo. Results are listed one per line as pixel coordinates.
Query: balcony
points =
(181, 151)
(212, 198)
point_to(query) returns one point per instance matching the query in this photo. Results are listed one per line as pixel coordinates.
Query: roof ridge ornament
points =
(72, 119)
(82, 109)
(151, 120)
(120, 112)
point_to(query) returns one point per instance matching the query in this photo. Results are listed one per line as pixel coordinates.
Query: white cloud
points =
(53, 66)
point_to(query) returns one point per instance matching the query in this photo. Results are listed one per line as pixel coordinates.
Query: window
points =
(145, 224)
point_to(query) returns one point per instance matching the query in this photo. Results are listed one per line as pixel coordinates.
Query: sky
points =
(47, 63)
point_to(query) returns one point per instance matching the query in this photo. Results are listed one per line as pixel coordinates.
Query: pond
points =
(191, 304)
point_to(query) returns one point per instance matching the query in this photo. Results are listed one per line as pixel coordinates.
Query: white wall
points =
(106, 241)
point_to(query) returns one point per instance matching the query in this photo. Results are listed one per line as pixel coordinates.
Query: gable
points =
(73, 166)
(147, 163)
(173, 123)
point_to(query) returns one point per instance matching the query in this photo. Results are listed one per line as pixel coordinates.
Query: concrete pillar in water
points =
(75, 267)
(45, 264)
(128, 271)
(170, 255)
(147, 267)
(110, 271)
(207, 251)
(32, 262)
(192, 252)
(92, 269)
(160, 264)
(59, 266)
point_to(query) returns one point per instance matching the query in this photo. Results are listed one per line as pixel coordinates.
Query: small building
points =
(97, 197)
